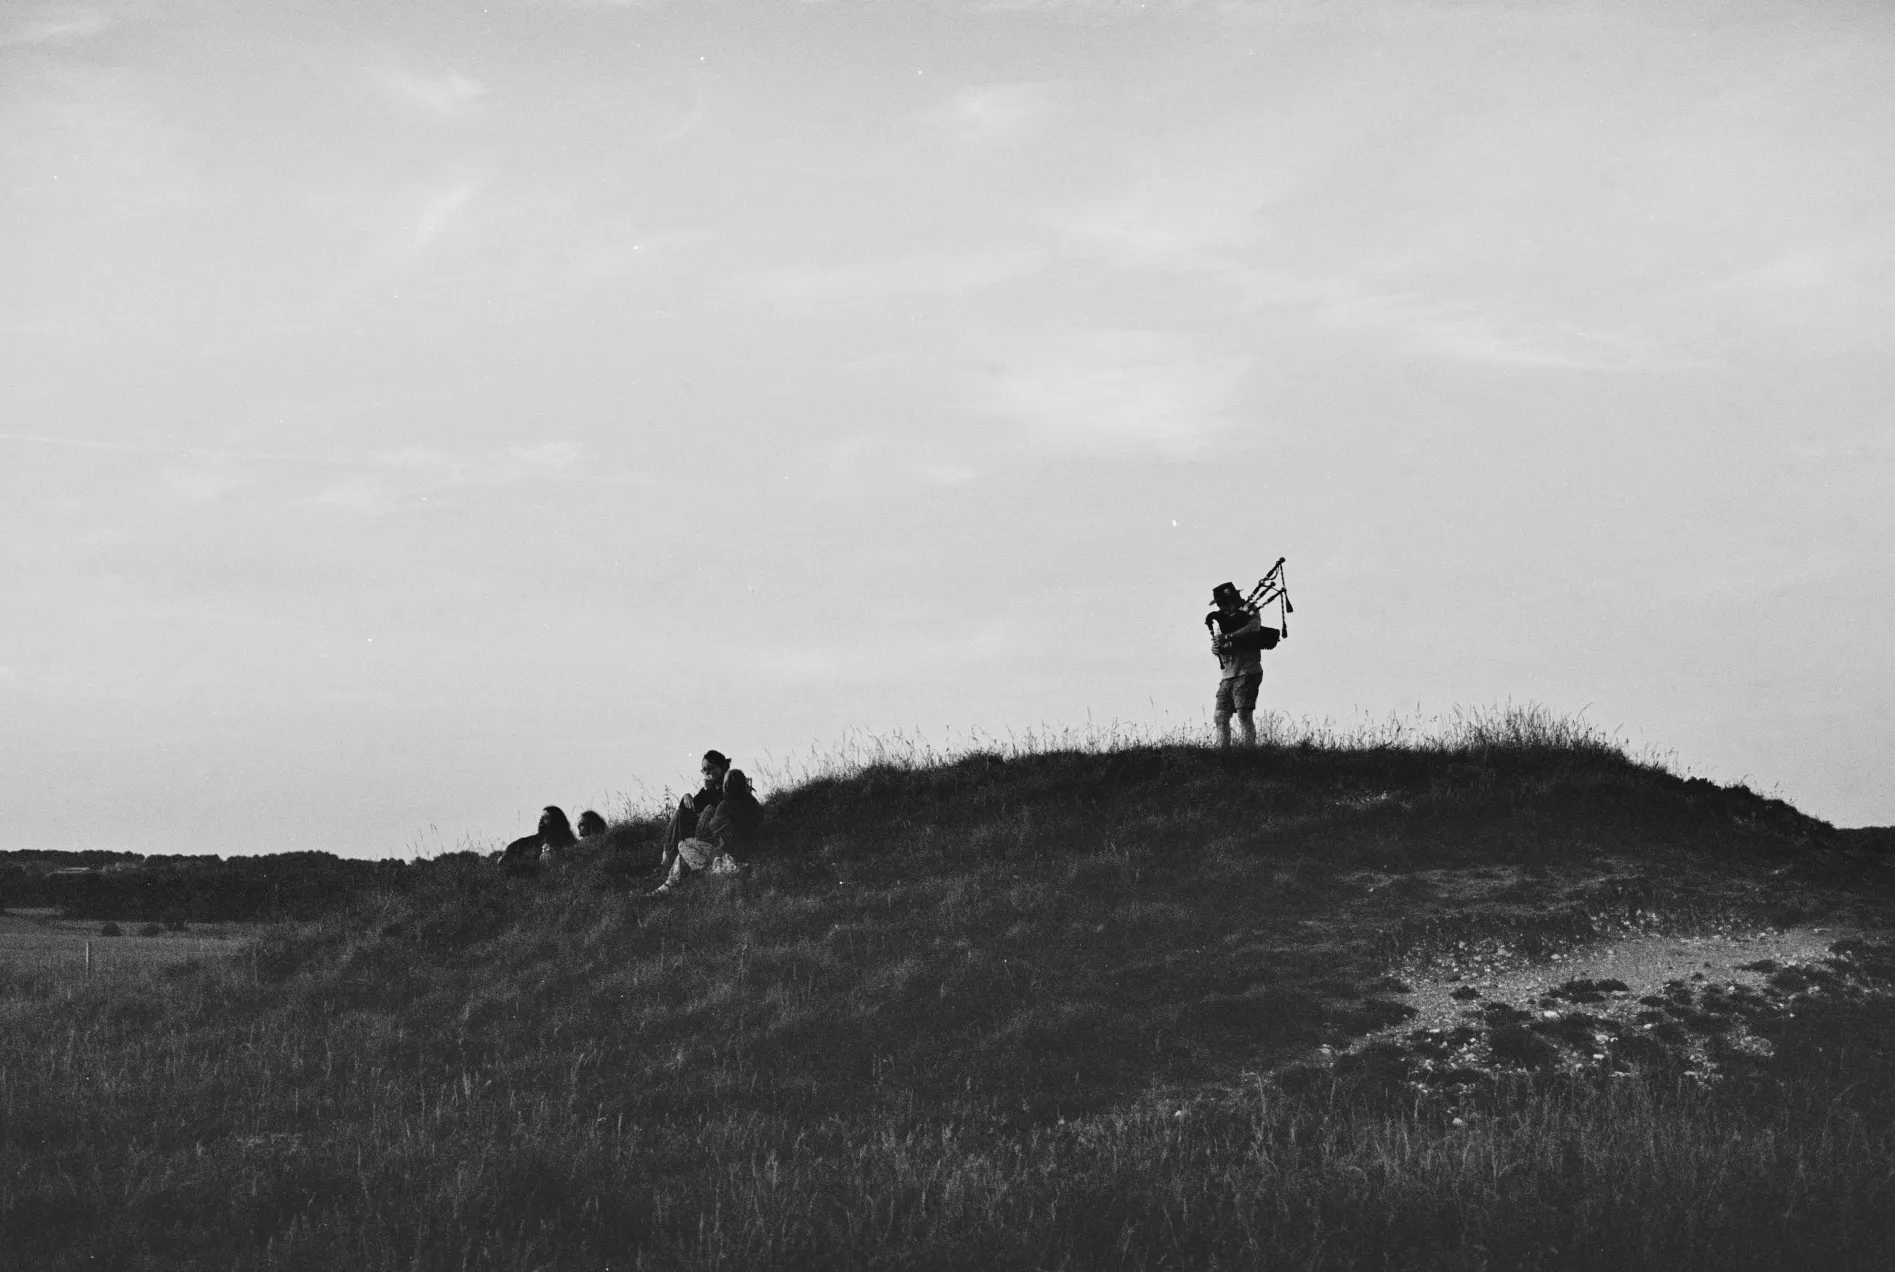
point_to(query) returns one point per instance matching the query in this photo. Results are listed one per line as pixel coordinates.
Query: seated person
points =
(693, 806)
(591, 825)
(726, 835)
(523, 856)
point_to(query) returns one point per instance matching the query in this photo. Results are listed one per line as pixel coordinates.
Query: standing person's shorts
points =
(1239, 693)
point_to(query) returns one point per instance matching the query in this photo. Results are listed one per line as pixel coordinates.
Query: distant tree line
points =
(194, 889)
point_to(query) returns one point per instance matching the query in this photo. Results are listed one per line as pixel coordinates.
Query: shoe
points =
(659, 891)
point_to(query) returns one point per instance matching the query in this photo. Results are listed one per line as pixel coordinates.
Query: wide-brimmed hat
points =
(1222, 590)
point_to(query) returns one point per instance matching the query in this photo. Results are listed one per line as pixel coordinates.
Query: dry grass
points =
(64, 953)
(1015, 1008)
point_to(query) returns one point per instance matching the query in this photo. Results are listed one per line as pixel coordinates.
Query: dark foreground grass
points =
(988, 1013)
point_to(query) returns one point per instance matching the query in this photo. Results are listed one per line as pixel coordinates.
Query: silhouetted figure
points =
(726, 836)
(555, 833)
(523, 856)
(1239, 662)
(591, 825)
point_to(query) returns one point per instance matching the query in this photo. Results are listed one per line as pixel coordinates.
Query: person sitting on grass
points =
(685, 817)
(523, 856)
(724, 838)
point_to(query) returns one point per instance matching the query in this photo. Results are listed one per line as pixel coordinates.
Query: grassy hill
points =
(1141, 1007)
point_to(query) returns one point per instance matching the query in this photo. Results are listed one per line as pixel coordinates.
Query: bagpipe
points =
(1225, 626)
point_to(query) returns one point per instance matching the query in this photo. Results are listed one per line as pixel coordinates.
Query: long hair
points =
(555, 830)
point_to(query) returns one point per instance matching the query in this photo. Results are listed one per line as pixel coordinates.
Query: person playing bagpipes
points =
(1238, 638)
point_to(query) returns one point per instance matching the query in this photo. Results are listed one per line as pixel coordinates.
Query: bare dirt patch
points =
(1641, 965)
(1652, 1002)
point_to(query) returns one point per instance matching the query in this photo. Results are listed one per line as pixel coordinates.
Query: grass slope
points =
(1039, 1011)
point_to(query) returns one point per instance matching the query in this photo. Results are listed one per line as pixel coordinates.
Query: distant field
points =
(38, 941)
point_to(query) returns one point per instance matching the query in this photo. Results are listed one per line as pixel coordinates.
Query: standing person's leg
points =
(1245, 694)
(1223, 710)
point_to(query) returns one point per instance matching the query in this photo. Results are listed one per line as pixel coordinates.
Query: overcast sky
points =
(414, 414)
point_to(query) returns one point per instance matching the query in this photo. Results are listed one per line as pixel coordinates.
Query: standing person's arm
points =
(1229, 649)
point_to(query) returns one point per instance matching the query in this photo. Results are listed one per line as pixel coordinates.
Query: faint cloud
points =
(52, 26)
(947, 274)
(1857, 448)
(112, 149)
(1329, 12)
(608, 261)
(490, 468)
(1471, 340)
(1172, 220)
(77, 443)
(243, 565)
(420, 217)
(363, 493)
(989, 113)
(438, 209)
(1800, 269)
(603, 264)
(1128, 391)
(1245, 12)
(1463, 332)
(950, 475)
(446, 96)
(201, 482)
(1827, 297)
(1453, 329)
(1093, 8)
(1190, 217)
(877, 460)
(414, 474)
(892, 659)
(554, 456)
(690, 119)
